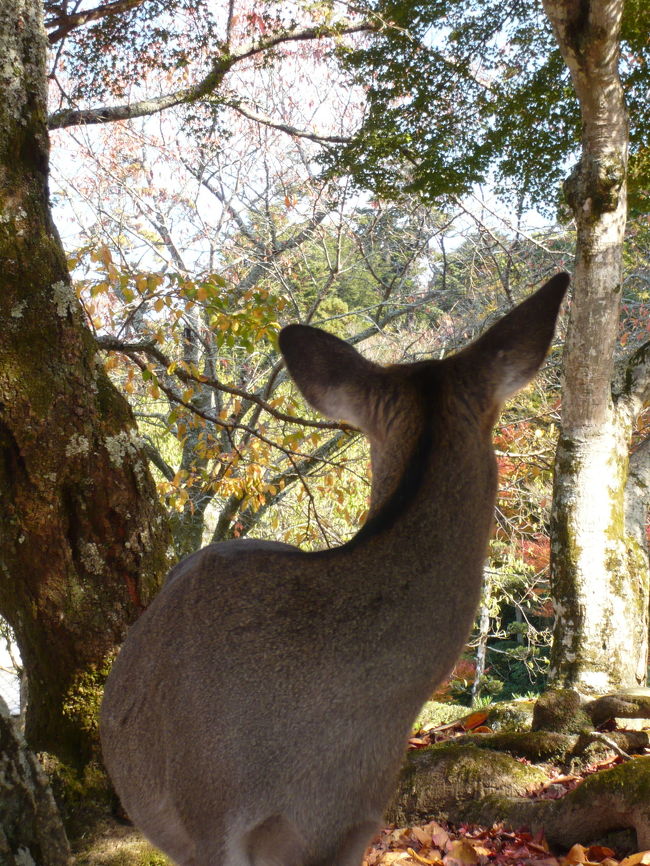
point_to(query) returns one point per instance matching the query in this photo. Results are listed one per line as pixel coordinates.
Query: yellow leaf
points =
(642, 857)
(415, 856)
(158, 304)
(461, 852)
(577, 854)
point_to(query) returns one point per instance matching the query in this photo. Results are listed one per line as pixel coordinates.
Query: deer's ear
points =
(511, 351)
(331, 375)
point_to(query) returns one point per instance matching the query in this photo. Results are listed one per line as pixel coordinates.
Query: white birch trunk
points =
(599, 576)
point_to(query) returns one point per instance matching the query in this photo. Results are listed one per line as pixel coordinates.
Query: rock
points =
(511, 716)
(435, 780)
(560, 710)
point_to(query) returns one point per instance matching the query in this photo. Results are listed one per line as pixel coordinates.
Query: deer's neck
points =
(436, 512)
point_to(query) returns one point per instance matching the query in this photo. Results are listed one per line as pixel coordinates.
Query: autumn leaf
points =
(460, 853)
(599, 853)
(420, 859)
(474, 720)
(577, 854)
(642, 857)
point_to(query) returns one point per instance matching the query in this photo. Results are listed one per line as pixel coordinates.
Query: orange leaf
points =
(577, 854)
(474, 719)
(415, 856)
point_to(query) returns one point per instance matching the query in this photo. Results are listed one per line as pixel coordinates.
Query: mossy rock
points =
(511, 716)
(433, 780)
(535, 746)
(560, 710)
(433, 714)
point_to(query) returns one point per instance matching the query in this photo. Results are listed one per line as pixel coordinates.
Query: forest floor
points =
(436, 843)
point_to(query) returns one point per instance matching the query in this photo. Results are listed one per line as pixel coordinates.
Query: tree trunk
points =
(600, 584)
(30, 826)
(82, 535)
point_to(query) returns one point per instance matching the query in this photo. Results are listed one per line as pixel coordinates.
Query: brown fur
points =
(258, 711)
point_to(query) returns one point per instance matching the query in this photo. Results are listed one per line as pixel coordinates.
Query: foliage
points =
(457, 89)
(203, 236)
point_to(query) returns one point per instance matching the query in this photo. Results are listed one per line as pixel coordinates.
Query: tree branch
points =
(208, 84)
(263, 119)
(635, 391)
(144, 107)
(130, 349)
(65, 23)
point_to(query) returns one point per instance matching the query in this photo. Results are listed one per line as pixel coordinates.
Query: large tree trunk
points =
(600, 575)
(82, 536)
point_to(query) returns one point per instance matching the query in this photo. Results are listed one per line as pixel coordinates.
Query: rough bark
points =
(30, 827)
(600, 578)
(82, 538)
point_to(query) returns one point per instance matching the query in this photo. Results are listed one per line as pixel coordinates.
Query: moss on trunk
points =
(83, 538)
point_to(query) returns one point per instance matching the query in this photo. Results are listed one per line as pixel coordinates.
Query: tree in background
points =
(601, 575)
(505, 91)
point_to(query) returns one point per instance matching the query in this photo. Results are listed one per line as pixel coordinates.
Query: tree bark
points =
(30, 826)
(82, 535)
(600, 580)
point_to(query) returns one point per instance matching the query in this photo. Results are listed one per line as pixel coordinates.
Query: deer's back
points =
(250, 650)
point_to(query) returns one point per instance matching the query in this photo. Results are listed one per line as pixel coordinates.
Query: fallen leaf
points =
(474, 719)
(460, 853)
(422, 834)
(390, 857)
(577, 854)
(420, 859)
(599, 853)
(433, 835)
(642, 857)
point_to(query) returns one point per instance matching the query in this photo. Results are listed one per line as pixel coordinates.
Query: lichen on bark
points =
(599, 583)
(83, 540)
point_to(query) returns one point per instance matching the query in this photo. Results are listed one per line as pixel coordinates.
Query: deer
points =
(258, 711)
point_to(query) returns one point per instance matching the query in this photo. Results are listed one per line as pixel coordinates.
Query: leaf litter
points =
(440, 844)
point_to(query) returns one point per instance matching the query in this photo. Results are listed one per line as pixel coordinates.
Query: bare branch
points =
(285, 480)
(149, 349)
(144, 107)
(251, 114)
(157, 459)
